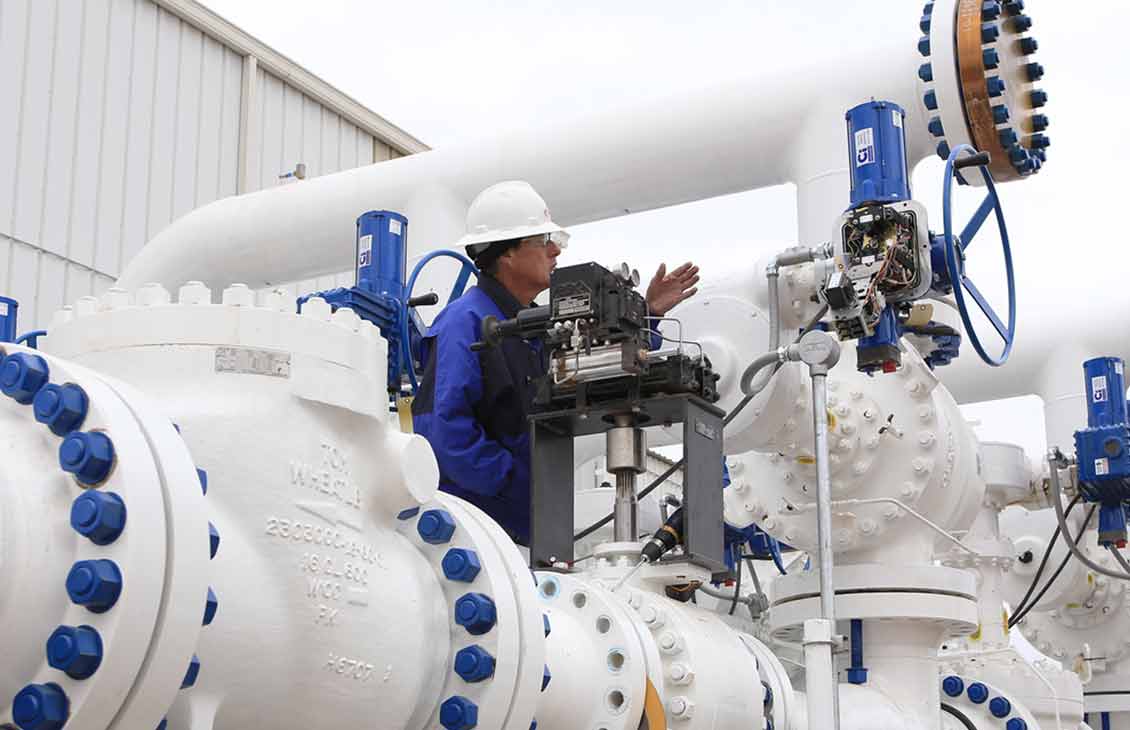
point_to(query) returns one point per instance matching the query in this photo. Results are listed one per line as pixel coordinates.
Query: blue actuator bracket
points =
(8, 311)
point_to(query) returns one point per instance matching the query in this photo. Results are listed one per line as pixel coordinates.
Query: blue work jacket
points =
(473, 407)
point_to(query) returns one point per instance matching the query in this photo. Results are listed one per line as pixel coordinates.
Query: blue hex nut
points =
(213, 541)
(995, 85)
(926, 72)
(1016, 723)
(1035, 71)
(75, 650)
(476, 613)
(474, 663)
(1000, 707)
(990, 10)
(930, 100)
(924, 24)
(943, 150)
(1039, 122)
(95, 584)
(990, 32)
(211, 605)
(22, 375)
(1039, 97)
(953, 686)
(88, 455)
(458, 713)
(977, 692)
(534, 724)
(461, 564)
(1040, 142)
(935, 127)
(990, 58)
(1021, 23)
(924, 45)
(1008, 137)
(100, 516)
(1000, 114)
(203, 477)
(62, 408)
(1014, 7)
(192, 673)
(545, 677)
(163, 724)
(436, 526)
(1028, 46)
(41, 707)
(767, 703)
(545, 619)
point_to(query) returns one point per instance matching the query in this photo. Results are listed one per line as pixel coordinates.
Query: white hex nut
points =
(347, 319)
(239, 295)
(317, 308)
(86, 306)
(194, 292)
(681, 708)
(115, 298)
(152, 295)
(275, 299)
(62, 316)
(680, 674)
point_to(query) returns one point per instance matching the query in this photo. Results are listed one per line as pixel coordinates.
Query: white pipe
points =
(785, 126)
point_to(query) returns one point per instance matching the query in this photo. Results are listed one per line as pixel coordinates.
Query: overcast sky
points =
(446, 71)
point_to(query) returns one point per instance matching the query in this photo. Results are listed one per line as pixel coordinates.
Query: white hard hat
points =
(506, 211)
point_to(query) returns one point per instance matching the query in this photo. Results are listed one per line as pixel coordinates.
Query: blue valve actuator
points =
(1103, 448)
(877, 140)
(8, 310)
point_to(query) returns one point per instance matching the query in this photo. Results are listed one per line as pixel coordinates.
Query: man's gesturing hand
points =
(667, 290)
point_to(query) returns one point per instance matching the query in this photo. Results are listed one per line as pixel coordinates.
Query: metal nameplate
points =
(704, 430)
(252, 362)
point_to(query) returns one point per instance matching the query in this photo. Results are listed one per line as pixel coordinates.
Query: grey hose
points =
(773, 357)
(1118, 556)
(1055, 458)
(724, 595)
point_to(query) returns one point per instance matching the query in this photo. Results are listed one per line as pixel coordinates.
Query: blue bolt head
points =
(211, 605)
(461, 564)
(100, 516)
(1000, 114)
(1040, 141)
(1017, 154)
(1039, 122)
(926, 72)
(95, 584)
(545, 620)
(436, 526)
(534, 724)
(203, 477)
(977, 693)
(767, 702)
(1035, 71)
(1008, 137)
(1039, 97)
(943, 150)
(474, 663)
(1021, 23)
(924, 24)
(1014, 7)
(62, 408)
(408, 514)
(935, 127)
(164, 724)
(213, 541)
(953, 686)
(930, 100)
(75, 650)
(990, 10)
(1028, 46)
(89, 455)
(1016, 723)
(22, 375)
(924, 45)
(990, 58)
(458, 713)
(995, 84)
(192, 673)
(545, 677)
(476, 613)
(41, 707)
(990, 32)
(1000, 707)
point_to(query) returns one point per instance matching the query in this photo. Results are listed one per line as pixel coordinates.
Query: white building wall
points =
(120, 117)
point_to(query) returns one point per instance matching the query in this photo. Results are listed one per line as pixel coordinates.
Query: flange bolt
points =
(474, 663)
(461, 564)
(476, 613)
(95, 584)
(88, 455)
(458, 713)
(100, 516)
(75, 650)
(22, 375)
(436, 526)
(62, 408)
(40, 707)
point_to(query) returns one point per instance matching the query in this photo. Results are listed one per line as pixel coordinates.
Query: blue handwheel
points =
(456, 292)
(956, 247)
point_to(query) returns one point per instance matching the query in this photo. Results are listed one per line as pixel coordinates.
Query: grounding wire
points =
(725, 422)
(961, 716)
(738, 583)
(1055, 459)
(1020, 607)
(1021, 614)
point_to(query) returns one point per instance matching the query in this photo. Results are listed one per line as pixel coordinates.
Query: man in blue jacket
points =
(472, 407)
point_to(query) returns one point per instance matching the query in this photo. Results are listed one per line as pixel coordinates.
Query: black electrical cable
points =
(1020, 615)
(738, 583)
(961, 716)
(1043, 562)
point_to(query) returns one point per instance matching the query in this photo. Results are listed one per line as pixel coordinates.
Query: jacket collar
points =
(500, 295)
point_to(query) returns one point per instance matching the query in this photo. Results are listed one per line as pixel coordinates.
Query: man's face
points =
(533, 261)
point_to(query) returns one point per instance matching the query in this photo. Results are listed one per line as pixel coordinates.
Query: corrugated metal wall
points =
(118, 118)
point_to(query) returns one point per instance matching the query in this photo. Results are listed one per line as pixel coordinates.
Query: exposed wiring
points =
(961, 716)
(1021, 609)
(736, 554)
(809, 506)
(1056, 459)
(1021, 613)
